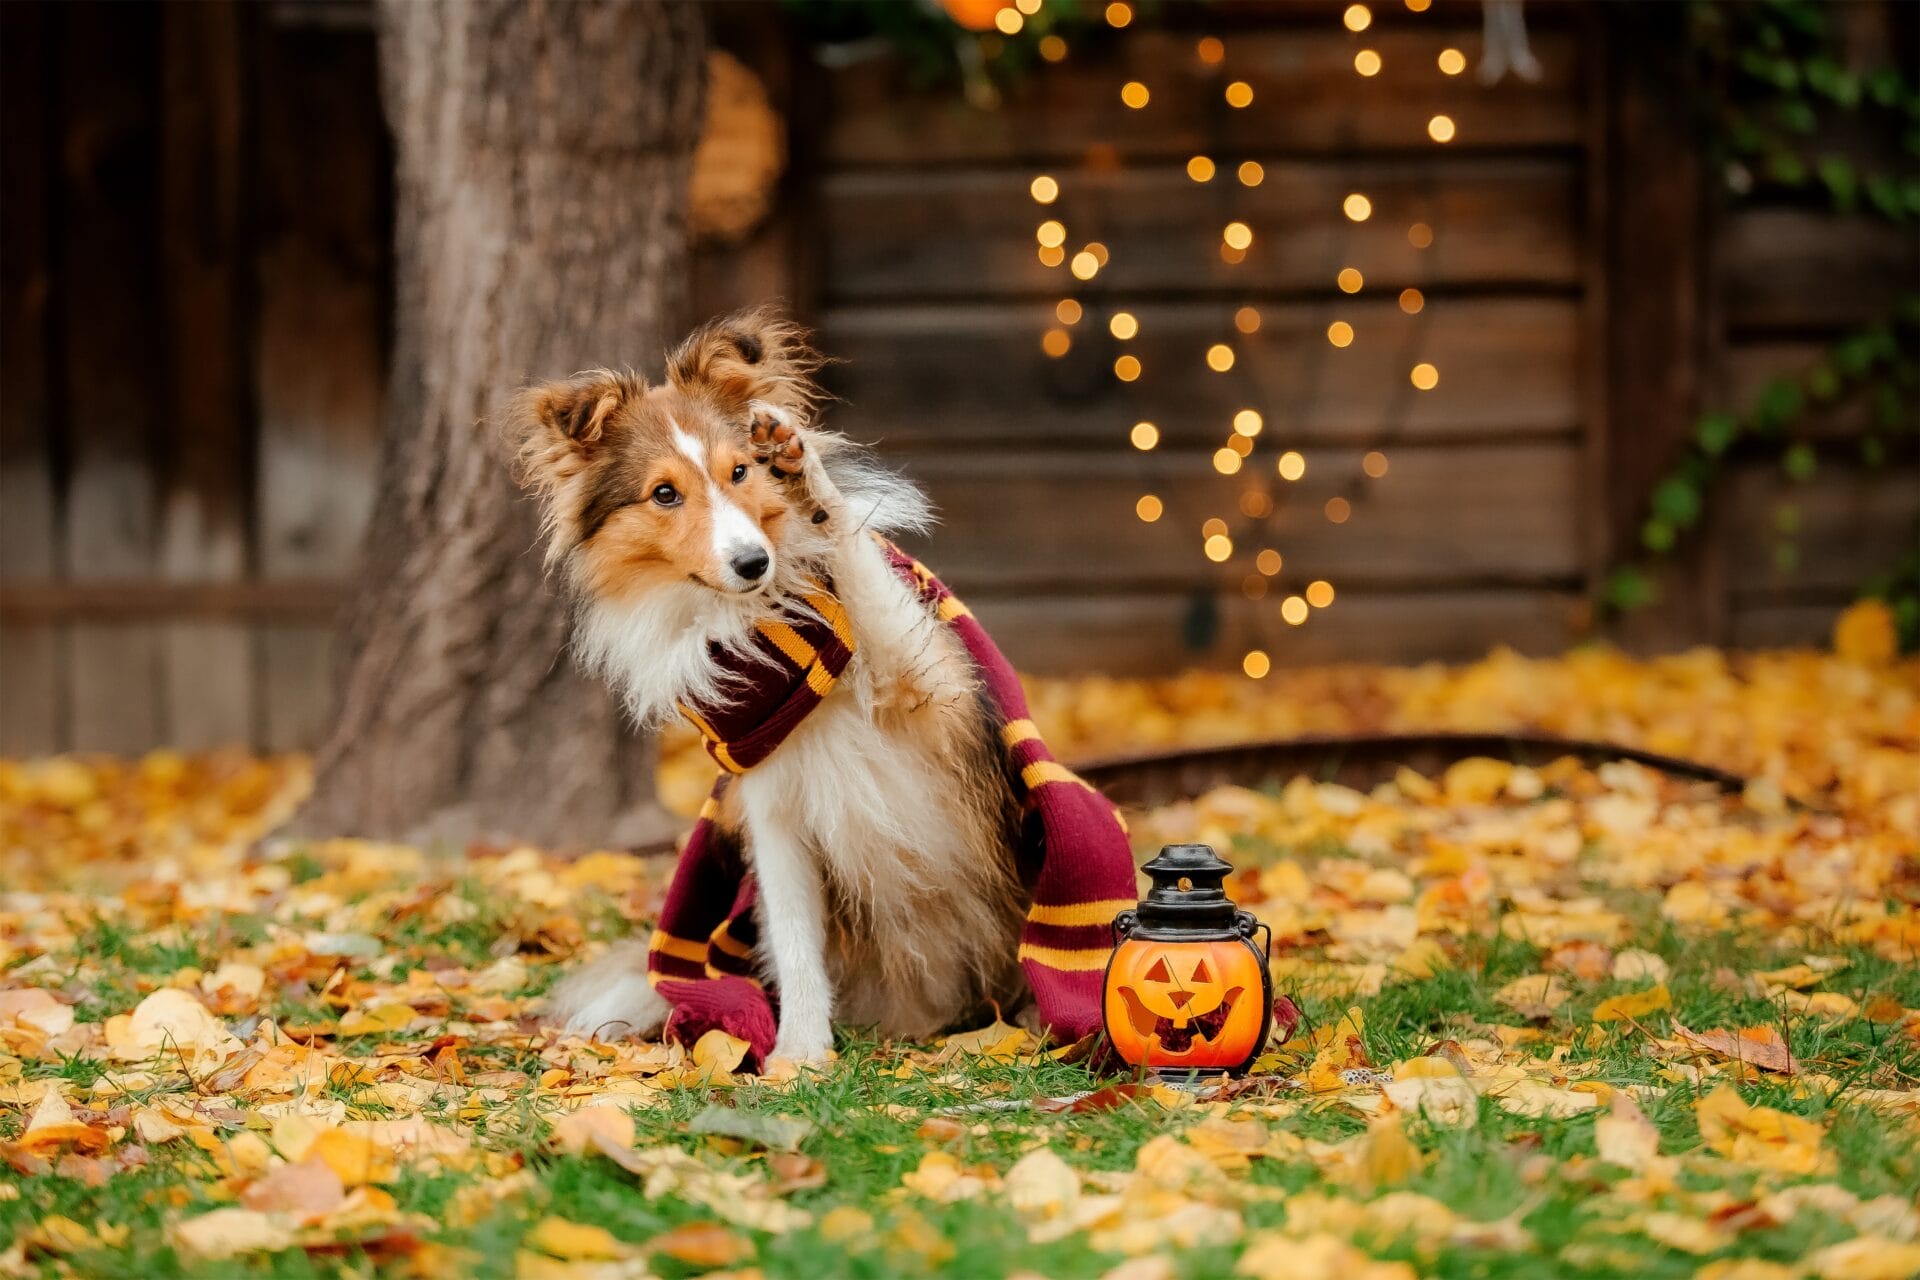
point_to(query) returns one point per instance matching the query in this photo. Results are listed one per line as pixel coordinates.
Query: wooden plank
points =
(1853, 523)
(1655, 326)
(974, 375)
(970, 232)
(1142, 634)
(1800, 270)
(322, 272)
(31, 709)
(1769, 625)
(306, 600)
(209, 678)
(1307, 100)
(1462, 514)
(111, 380)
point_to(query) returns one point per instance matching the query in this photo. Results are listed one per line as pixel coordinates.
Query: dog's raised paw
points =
(776, 441)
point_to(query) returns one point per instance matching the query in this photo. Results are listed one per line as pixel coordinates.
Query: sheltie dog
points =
(882, 834)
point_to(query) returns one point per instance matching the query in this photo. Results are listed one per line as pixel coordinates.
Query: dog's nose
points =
(750, 564)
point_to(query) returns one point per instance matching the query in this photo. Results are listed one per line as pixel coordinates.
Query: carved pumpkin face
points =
(1186, 1004)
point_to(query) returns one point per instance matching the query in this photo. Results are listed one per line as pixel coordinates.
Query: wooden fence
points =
(196, 295)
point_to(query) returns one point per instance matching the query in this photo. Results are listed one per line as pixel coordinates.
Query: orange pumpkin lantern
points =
(1187, 989)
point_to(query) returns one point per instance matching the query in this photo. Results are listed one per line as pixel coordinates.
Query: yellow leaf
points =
(226, 1233)
(1634, 1004)
(1624, 1136)
(716, 1051)
(1761, 1136)
(1533, 1098)
(560, 1238)
(581, 1132)
(356, 1158)
(844, 1223)
(376, 1020)
(1041, 1185)
(1536, 995)
(996, 1040)
(941, 1178)
(1867, 1258)
(1866, 634)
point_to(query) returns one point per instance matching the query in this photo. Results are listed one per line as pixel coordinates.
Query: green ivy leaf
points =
(1786, 518)
(1891, 412)
(1873, 452)
(1786, 168)
(1715, 432)
(1628, 588)
(1885, 195)
(1854, 354)
(1842, 183)
(1779, 404)
(1823, 382)
(1799, 461)
(1796, 115)
(1886, 86)
(1676, 501)
(1786, 557)
(1657, 536)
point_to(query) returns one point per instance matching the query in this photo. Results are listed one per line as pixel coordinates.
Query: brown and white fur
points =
(881, 832)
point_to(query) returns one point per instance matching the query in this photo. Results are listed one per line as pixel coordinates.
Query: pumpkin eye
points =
(665, 495)
(1159, 972)
(1201, 973)
(739, 473)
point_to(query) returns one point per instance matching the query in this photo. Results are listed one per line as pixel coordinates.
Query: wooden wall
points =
(196, 293)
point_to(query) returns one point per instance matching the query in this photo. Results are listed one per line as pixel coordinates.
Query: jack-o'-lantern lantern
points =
(1187, 989)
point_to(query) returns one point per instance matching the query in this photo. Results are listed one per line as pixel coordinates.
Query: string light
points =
(1213, 528)
(1452, 62)
(1068, 312)
(1440, 128)
(1056, 342)
(1247, 423)
(1044, 189)
(1226, 462)
(1119, 14)
(1211, 50)
(1219, 357)
(1425, 376)
(1200, 169)
(1420, 235)
(1253, 586)
(1238, 235)
(1239, 94)
(1052, 255)
(1418, 6)
(1320, 593)
(1084, 265)
(1252, 173)
(1350, 280)
(1374, 464)
(1134, 94)
(1028, 7)
(1219, 547)
(1099, 252)
(1340, 333)
(1053, 48)
(1231, 256)
(1126, 368)
(1357, 207)
(1411, 301)
(1337, 510)
(1149, 508)
(1357, 17)
(1242, 445)
(1144, 436)
(1052, 233)
(1255, 505)
(1367, 62)
(1123, 326)
(1009, 21)
(1256, 664)
(1247, 320)
(1292, 465)
(1294, 610)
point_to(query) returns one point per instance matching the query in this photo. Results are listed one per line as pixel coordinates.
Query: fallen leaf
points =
(584, 1130)
(1534, 1098)
(1624, 1136)
(562, 1238)
(1536, 995)
(226, 1233)
(1761, 1136)
(776, 1133)
(308, 1190)
(702, 1244)
(716, 1052)
(1633, 1004)
(1867, 1258)
(1638, 966)
(1758, 1046)
(1041, 1185)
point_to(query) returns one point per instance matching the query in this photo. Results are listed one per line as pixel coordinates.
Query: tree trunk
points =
(543, 152)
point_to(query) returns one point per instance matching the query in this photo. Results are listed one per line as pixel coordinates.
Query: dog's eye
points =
(739, 472)
(666, 495)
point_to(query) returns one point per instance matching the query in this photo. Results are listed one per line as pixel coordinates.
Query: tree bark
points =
(543, 152)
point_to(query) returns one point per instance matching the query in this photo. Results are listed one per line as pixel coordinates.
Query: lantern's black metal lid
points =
(1201, 908)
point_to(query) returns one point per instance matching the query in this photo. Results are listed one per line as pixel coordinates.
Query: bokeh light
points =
(1340, 333)
(1350, 280)
(1056, 342)
(1424, 376)
(1053, 48)
(1338, 510)
(1239, 94)
(1134, 94)
(1411, 301)
(1144, 436)
(1123, 326)
(1084, 265)
(1268, 562)
(1367, 62)
(1292, 465)
(1009, 21)
(1247, 423)
(1247, 320)
(1252, 174)
(1255, 505)
(1440, 128)
(1253, 586)
(1256, 663)
(1119, 13)
(1420, 235)
(1211, 50)
(1374, 464)
(1149, 508)
(1320, 593)
(1238, 235)
(1226, 462)
(1044, 189)
(1200, 169)
(1213, 527)
(1219, 547)
(1452, 62)
(1357, 17)
(1242, 445)
(1067, 312)
(1126, 368)
(1294, 610)
(1052, 233)
(1052, 255)
(1357, 207)
(1219, 357)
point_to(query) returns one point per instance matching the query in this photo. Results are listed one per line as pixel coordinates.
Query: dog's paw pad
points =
(776, 442)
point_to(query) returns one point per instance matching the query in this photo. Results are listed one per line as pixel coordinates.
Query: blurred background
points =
(1231, 335)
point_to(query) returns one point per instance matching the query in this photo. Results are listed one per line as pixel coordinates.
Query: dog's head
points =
(642, 485)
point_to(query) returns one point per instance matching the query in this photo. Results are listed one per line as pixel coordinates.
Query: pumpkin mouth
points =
(1178, 1035)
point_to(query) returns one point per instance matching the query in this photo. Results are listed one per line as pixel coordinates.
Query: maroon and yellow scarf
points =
(1074, 849)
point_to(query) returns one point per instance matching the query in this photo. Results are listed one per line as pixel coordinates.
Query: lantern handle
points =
(1248, 924)
(1122, 926)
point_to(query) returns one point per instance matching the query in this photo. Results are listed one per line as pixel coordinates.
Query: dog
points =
(885, 837)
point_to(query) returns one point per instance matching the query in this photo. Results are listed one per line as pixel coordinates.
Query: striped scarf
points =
(1073, 850)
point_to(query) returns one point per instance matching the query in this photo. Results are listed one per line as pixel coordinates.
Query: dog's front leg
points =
(793, 922)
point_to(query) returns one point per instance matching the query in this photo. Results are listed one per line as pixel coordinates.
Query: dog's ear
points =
(748, 356)
(554, 427)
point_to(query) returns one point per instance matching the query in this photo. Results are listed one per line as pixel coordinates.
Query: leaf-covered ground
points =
(1555, 1022)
